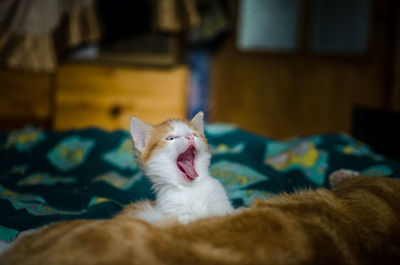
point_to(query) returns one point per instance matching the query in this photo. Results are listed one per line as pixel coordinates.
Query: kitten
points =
(357, 223)
(175, 156)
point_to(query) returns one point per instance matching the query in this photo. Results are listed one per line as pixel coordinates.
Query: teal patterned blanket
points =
(51, 176)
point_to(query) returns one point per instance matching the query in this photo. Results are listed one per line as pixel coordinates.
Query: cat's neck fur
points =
(204, 198)
(185, 201)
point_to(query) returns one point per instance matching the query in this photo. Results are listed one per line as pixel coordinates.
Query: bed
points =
(51, 176)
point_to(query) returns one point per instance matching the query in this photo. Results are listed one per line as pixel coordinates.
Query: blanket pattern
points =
(91, 174)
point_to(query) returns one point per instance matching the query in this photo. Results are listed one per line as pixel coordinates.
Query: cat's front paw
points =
(135, 208)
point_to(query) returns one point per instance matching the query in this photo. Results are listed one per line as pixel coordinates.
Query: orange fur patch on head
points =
(156, 140)
(198, 133)
(159, 133)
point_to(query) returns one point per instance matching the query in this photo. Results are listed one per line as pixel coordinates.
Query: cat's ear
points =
(140, 132)
(198, 121)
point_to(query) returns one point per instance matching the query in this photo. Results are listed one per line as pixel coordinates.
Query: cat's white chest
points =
(206, 198)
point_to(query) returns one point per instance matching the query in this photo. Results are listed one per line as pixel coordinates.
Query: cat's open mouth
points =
(185, 163)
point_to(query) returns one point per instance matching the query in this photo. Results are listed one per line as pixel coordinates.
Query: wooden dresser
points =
(84, 95)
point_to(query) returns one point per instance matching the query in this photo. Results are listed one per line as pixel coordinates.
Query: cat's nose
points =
(190, 137)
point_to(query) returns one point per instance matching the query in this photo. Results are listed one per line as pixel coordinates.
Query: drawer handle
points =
(115, 111)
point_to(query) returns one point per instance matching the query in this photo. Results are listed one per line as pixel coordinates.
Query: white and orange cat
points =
(175, 156)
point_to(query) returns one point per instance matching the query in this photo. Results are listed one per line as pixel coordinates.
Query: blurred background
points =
(278, 68)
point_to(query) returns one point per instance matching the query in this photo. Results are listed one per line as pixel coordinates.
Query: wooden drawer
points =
(106, 96)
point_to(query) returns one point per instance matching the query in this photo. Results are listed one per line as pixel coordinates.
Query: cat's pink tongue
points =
(188, 168)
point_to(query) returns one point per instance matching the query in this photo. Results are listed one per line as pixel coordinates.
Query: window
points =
(323, 26)
(268, 24)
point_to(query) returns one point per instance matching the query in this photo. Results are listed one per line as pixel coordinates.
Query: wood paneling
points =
(283, 98)
(106, 96)
(24, 97)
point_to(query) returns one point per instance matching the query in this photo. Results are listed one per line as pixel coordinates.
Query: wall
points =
(283, 95)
